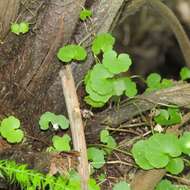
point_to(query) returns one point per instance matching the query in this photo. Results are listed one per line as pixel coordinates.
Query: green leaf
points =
(15, 28)
(116, 64)
(103, 42)
(156, 159)
(62, 121)
(168, 117)
(61, 143)
(93, 103)
(96, 156)
(184, 141)
(122, 185)
(185, 73)
(153, 80)
(131, 88)
(164, 143)
(92, 185)
(124, 84)
(9, 129)
(24, 27)
(104, 135)
(164, 185)
(95, 96)
(71, 52)
(166, 83)
(175, 166)
(85, 14)
(48, 117)
(138, 152)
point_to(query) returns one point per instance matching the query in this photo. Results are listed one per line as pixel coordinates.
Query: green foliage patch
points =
(161, 151)
(18, 28)
(10, 130)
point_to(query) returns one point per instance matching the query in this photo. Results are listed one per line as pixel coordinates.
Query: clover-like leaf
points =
(103, 42)
(10, 130)
(153, 80)
(96, 156)
(156, 159)
(116, 64)
(93, 103)
(184, 141)
(61, 143)
(185, 73)
(164, 185)
(138, 152)
(131, 87)
(122, 185)
(104, 135)
(165, 144)
(85, 14)
(24, 27)
(175, 166)
(71, 52)
(168, 117)
(55, 120)
(107, 139)
(15, 28)
(95, 96)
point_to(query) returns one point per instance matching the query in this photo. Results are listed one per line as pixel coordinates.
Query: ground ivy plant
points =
(20, 28)
(167, 185)
(162, 151)
(85, 14)
(169, 116)
(97, 155)
(10, 130)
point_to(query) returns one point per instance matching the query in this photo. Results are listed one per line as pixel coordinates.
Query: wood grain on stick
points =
(76, 123)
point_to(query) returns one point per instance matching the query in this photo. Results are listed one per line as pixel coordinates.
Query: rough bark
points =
(8, 12)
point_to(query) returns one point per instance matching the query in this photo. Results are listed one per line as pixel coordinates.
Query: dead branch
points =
(76, 123)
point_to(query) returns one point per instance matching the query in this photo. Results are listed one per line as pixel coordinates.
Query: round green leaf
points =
(92, 185)
(15, 28)
(95, 96)
(61, 143)
(99, 81)
(175, 166)
(165, 143)
(103, 42)
(24, 27)
(93, 103)
(185, 143)
(164, 185)
(185, 73)
(69, 52)
(85, 13)
(153, 80)
(99, 72)
(104, 134)
(156, 159)
(45, 120)
(9, 129)
(15, 136)
(62, 121)
(10, 122)
(131, 88)
(102, 86)
(122, 185)
(96, 156)
(138, 152)
(116, 64)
